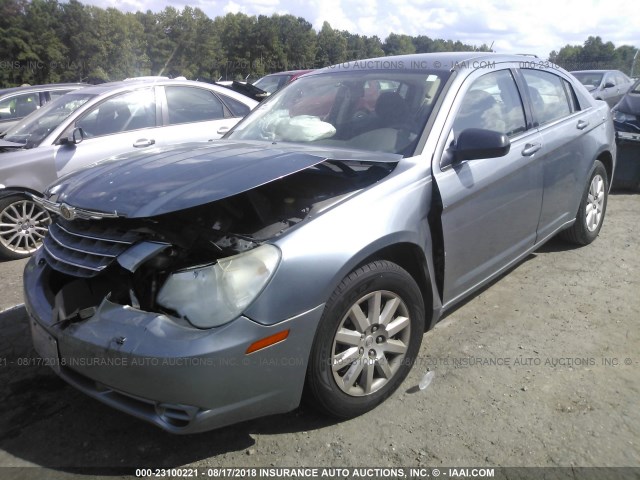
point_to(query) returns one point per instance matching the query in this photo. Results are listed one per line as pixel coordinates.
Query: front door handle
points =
(582, 124)
(143, 142)
(530, 149)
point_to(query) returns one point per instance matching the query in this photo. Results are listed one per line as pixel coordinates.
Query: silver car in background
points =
(91, 124)
(309, 250)
(607, 85)
(18, 102)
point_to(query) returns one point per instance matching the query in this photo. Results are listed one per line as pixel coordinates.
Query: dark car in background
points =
(18, 102)
(607, 85)
(309, 249)
(96, 122)
(626, 120)
(275, 81)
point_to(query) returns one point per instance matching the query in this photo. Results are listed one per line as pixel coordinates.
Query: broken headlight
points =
(211, 295)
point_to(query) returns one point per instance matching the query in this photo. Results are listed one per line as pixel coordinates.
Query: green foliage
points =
(54, 41)
(594, 54)
(331, 46)
(398, 45)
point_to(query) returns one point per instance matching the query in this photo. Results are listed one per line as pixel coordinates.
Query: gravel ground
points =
(539, 369)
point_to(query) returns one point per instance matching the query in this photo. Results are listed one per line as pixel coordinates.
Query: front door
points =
(490, 207)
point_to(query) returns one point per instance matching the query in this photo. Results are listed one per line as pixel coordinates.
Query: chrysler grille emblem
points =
(71, 213)
(67, 212)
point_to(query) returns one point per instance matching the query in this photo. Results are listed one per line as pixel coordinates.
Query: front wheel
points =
(367, 340)
(23, 225)
(592, 208)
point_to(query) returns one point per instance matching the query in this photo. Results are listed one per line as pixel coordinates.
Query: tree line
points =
(45, 41)
(595, 54)
(49, 41)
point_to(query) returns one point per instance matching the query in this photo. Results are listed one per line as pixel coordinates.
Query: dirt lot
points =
(539, 369)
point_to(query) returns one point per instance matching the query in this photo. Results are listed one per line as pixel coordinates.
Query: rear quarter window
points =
(571, 95)
(238, 109)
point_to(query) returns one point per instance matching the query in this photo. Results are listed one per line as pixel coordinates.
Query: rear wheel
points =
(23, 225)
(592, 208)
(367, 340)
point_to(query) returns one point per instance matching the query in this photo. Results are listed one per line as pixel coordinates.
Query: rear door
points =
(624, 83)
(563, 127)
(194, 114)
(490, 207)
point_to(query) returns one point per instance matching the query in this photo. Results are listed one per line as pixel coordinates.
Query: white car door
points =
(194, 114)
(120, 124)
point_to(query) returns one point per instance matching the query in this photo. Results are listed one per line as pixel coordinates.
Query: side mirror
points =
(75, 138)
(477, 143)
(609, 85)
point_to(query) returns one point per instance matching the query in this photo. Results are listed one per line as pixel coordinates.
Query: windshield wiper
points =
(4, 144)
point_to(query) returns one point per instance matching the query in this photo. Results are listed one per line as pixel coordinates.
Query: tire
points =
(23, 225)
(358, 358)
(592, 208)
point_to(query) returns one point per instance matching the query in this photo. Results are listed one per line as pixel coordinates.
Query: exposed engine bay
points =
(197, 236)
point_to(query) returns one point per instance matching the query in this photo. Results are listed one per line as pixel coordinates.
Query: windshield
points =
(271, 83)
(381, 111)
(34, 128)
(592, 79)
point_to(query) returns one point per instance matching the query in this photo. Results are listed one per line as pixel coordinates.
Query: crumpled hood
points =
(630, 103)
(189, 175)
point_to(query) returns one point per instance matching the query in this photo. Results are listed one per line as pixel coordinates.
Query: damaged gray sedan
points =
(309, 250)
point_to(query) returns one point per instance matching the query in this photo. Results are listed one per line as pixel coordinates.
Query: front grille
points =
(85, 248)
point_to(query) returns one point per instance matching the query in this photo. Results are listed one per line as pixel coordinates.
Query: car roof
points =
(289, 72)
(124, 85)
(443, 61)
(48, 86)
(595, 71)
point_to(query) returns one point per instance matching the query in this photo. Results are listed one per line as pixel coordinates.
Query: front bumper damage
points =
(181, 378)
(111, 291)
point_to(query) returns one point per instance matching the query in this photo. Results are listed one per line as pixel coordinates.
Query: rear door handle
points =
(582, 124)
(143, 142)
(530, 149)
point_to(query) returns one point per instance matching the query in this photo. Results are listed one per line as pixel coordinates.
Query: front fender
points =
(318, 255)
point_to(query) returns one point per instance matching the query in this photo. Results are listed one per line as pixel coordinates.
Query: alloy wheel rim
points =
(370, 343)
(595, 203)
(23, 225)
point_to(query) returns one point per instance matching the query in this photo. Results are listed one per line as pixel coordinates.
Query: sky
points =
(519, 26)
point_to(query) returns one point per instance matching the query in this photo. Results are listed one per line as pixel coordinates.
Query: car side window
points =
(492, 103)
(548, 96)
(123, 113)
(269, 84)
(571, 95)
(620, 79)
(238, 109)
(19, 106)
(190, 104)
(53, 94)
